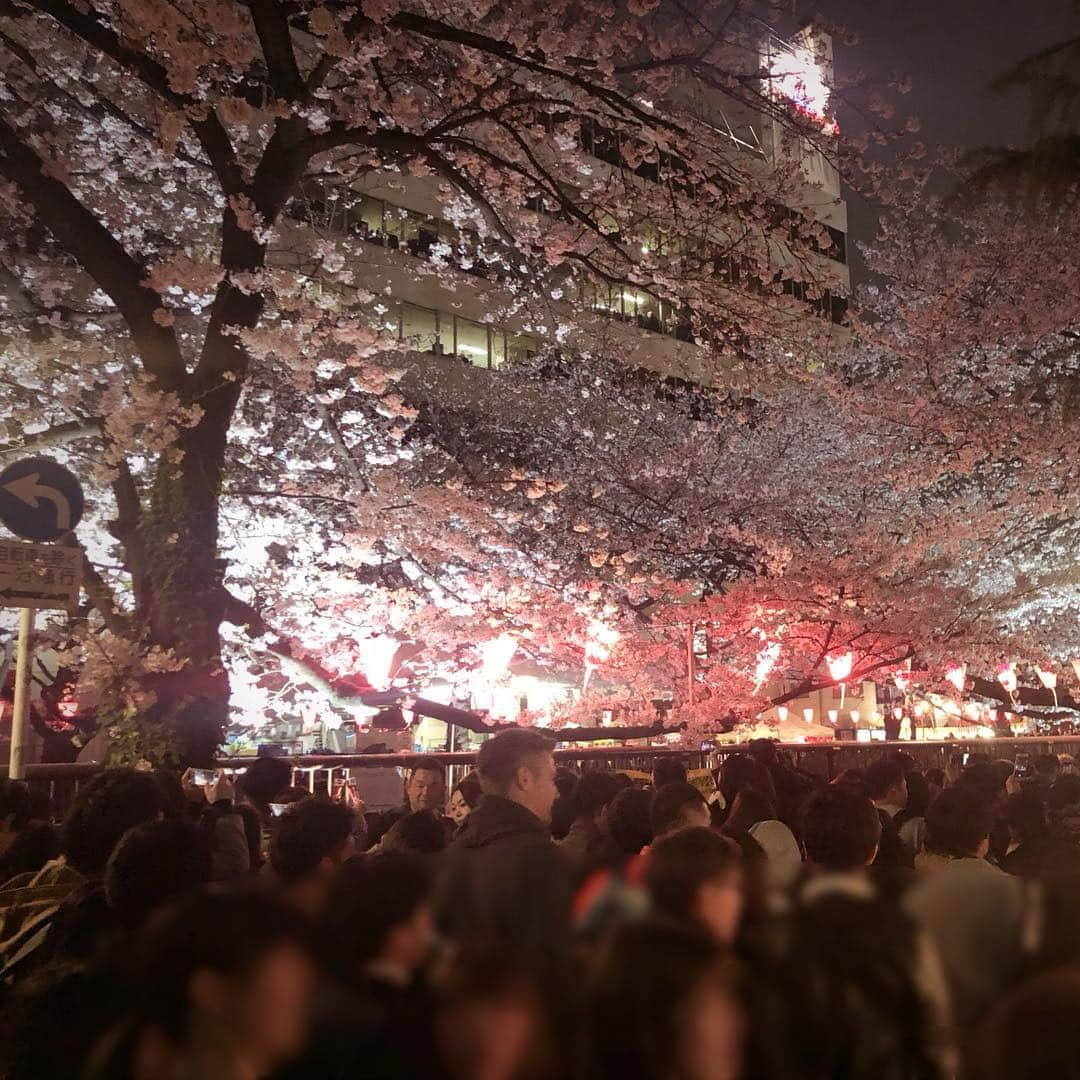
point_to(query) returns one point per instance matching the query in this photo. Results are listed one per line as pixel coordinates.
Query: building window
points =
(420, 328)
(471, 342)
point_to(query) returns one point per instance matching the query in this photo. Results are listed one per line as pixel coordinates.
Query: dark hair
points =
(418, 833)
(671, 804)
(644, 979)
(1064, 793)
(738, 771)
(566, 779)
(596, 790)
(502, 755)
(679, 864)
(369, 897)
(1030, 1035)
(153, 863)
(1047, 764)
(983, 778)
(427, 764)
(918, 798)
(470, 789)
(110, 804)
(764, 751)
(35, 844)
(750, 807)
(629, 820)
(881, 777)
(263, 779)
(936, 777)
(226, 932)
(841, 828)
(173, 801)
(306, 833)
(855, 778)
(958, 821)
(668, 770)
(1025, 816)
(14, 802)
(904, 760)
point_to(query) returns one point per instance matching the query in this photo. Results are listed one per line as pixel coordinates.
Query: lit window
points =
(522, 346)
(498, 348)
(420, 327)
(371, 214)
(471, 341)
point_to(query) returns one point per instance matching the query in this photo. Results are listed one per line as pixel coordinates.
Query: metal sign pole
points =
(17, 764)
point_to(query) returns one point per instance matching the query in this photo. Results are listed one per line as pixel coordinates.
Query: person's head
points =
(426, 787)
(1031, 1034)
(174, 803)
(152, 864)
(904, 760)
(494, 1018)
(855, 778)
(14, 811)
(841, 828)
(464, 798)
(958, 823)
(1065, 793)
(886, 783)
(231, 970)
(935, 778)
(739, 771)
(918, 795)
(596, 790)
(678, 806)
(627, 819)
(1067, 763)
(750, 807)
(310, 839)
(518, 765)
(668, 770)
(418, 833)
(1048, 767)
(765, 752)
(696, 876)
(984, 779)
(263, 780)
(566, 779)
(110, 804)
(661, 1004)
(379, 909)
(1025, 816)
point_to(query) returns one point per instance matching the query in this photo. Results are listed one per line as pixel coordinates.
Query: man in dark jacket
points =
(506, 883)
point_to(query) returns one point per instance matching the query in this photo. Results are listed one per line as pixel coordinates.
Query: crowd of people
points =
(537, 923)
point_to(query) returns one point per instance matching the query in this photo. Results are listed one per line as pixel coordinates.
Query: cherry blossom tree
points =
(182, 322)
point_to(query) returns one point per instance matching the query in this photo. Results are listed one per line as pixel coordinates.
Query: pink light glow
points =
(903, 681)
(1076, 667)
(68, 708)
(766, 662)
(600, 639)
(1006, 675)
(957, 675)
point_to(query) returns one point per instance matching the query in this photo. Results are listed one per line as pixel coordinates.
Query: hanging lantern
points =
(1049, 680)
(1006, 675)
(840, 666)
(898, 712)
(957, 675)
(782, 713)
(834, 715)
(377, 660)
(808, 715)
(855, 717)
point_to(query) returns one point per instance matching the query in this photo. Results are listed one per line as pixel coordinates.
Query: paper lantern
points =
(782, 713)
(957, 675)
(840, 666)
(808, 715)
(1006, 675)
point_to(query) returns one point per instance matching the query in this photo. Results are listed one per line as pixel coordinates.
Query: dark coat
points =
(506, 884)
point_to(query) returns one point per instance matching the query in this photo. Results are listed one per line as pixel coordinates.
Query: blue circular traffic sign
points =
(40, 499)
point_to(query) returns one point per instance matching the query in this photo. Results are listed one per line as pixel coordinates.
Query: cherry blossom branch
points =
(99, 252)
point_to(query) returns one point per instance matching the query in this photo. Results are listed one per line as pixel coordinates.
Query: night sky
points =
(952, 50)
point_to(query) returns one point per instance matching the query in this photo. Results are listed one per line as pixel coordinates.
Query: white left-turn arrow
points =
(30, 490)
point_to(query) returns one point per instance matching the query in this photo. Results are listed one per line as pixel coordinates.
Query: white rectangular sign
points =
(39, 575)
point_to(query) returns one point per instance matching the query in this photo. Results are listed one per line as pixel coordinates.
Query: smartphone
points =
(278, 808)
(966, 756)
(202, 777)
(958, 760)
(1022, 766)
